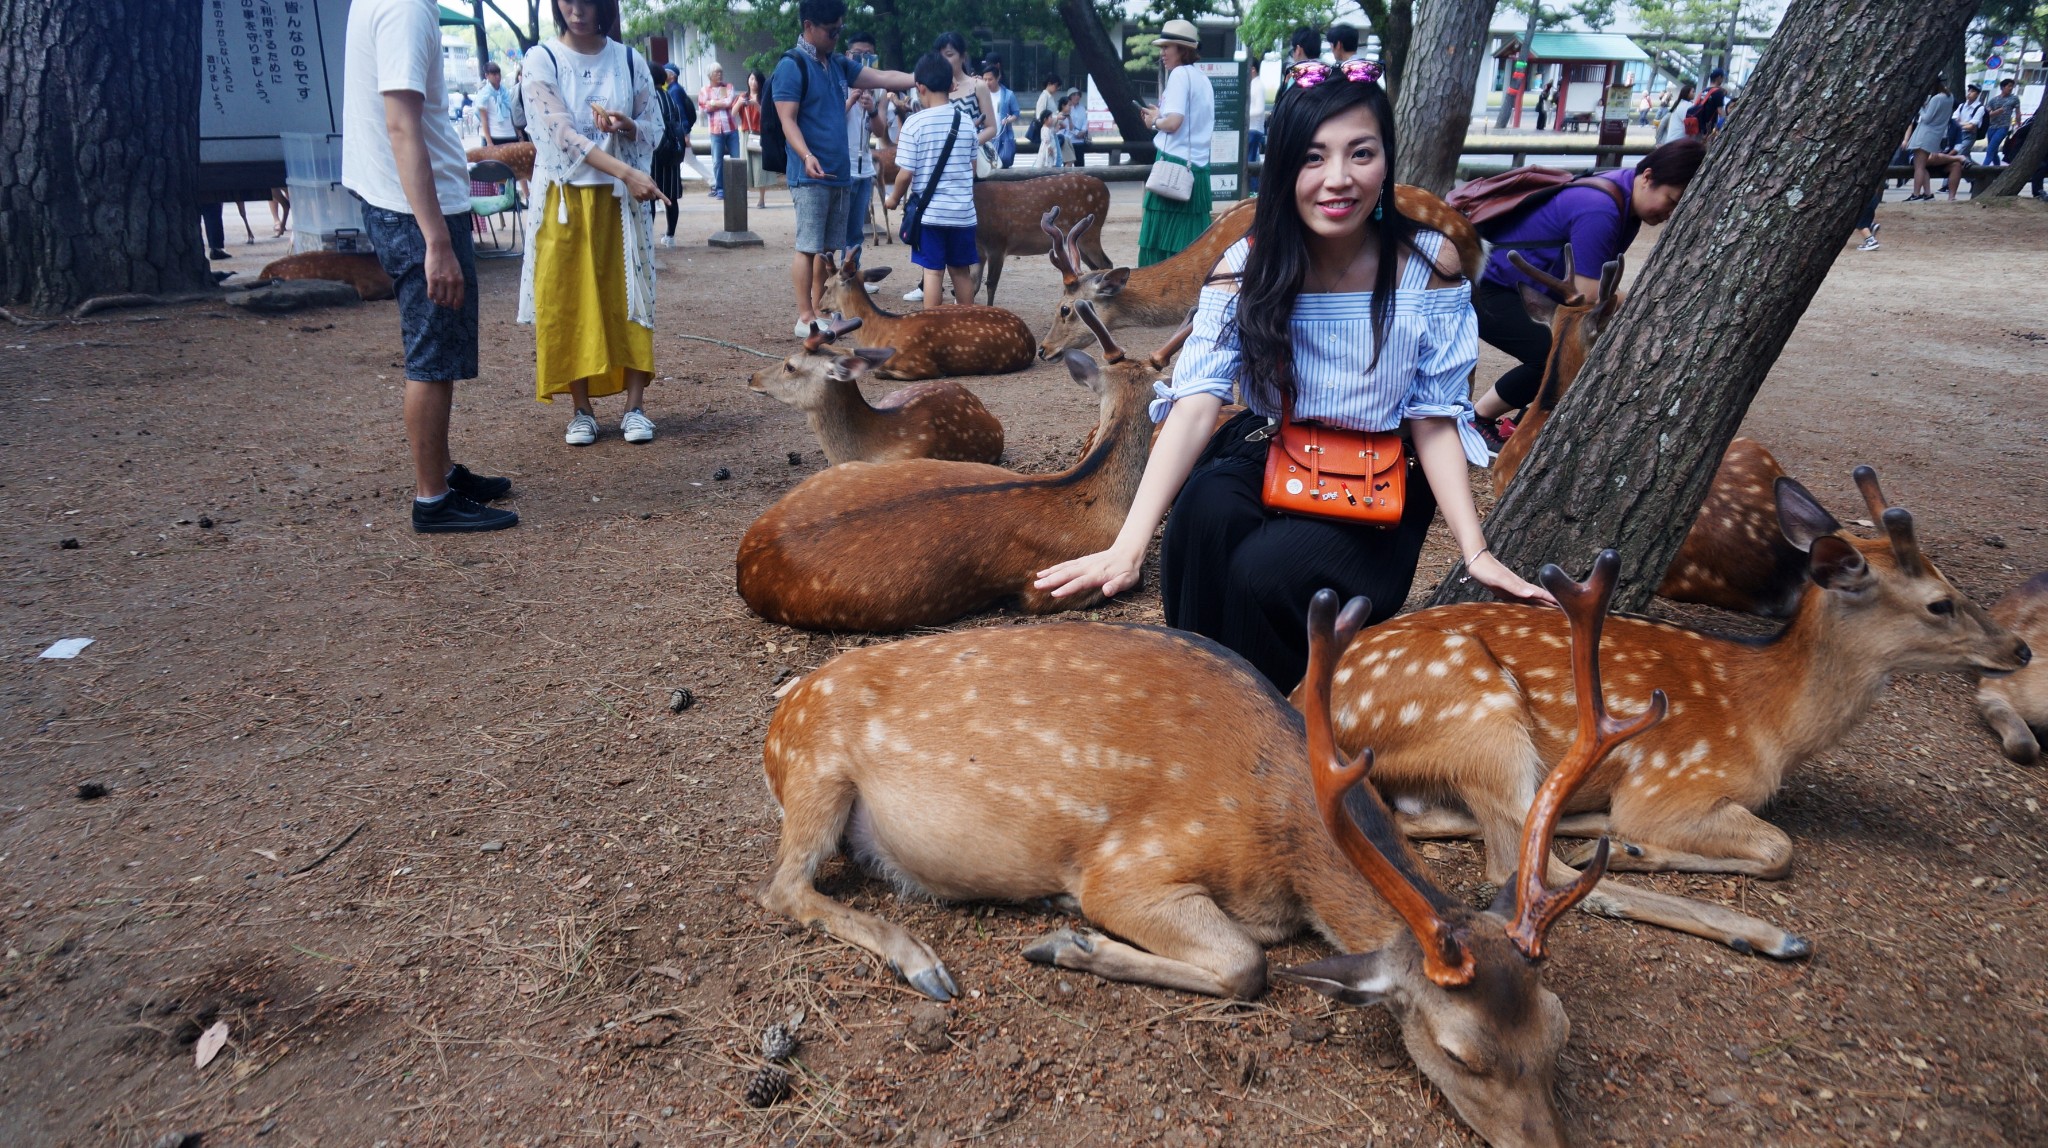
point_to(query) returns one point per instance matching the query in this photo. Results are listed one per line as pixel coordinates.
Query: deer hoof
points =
(934, 982)
(1048, 950)
(1794, 948)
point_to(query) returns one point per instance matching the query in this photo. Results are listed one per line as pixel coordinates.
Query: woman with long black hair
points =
(1337, 309)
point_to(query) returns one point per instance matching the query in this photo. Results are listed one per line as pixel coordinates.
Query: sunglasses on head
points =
(1357, 70)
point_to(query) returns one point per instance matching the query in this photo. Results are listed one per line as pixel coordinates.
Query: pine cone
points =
(777, 1043)
(769, 1085)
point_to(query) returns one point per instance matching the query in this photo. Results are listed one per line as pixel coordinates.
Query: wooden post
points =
(735, 233)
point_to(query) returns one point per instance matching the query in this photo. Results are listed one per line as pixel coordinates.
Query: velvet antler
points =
(1567, 294)
(1897, 522)
(1111, 353)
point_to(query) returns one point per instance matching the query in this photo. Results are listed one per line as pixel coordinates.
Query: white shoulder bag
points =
(1170, 180)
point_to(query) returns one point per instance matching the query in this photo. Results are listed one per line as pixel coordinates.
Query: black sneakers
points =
(457, 513)
(477, 487)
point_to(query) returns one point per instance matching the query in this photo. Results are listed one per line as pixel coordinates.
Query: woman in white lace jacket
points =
(588, 283)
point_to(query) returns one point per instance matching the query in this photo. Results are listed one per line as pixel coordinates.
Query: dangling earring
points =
(1379, 205)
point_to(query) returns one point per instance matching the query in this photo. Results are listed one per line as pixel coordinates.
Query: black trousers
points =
(1233, 571)
(1505, 323)
(216, 231)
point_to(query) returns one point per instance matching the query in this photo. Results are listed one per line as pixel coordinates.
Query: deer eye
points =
(1941, 607)
(1065, 310)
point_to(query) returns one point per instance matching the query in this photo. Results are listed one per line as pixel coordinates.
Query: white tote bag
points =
(1170, 180)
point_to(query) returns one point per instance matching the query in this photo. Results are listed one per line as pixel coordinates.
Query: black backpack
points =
(774, 145)
(674, 133)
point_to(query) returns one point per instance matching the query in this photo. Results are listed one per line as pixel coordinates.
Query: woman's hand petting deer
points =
(1348, 332)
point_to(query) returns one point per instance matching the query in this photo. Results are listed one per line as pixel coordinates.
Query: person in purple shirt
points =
(1599, 225)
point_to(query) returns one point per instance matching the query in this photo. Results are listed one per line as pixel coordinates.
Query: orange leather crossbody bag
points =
(1330, 472)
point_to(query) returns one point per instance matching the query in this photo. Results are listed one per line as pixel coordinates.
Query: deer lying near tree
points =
(1007, 215)
(1160, 786)
(1160, 294)
(889, 546)
(1734, 557)
(359, 270)
(953, 340)
(922, 420)
(1488, 687)
(2016, 706)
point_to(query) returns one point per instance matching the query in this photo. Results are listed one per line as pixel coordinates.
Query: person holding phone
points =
(588, 282)
(1182, 129)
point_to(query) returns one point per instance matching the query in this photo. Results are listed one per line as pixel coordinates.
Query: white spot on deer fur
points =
(1196, 829)
(1343, 675)
(1438, 669)
(1410, 712)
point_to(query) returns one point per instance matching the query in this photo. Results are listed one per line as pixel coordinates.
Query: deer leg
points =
(815, 812)
(1727, 838)
(2015, 737)
(1437, 821)
(995, 276)
(1182, 940)
(1738, 931)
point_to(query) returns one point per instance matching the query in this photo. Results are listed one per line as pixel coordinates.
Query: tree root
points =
(110, 302)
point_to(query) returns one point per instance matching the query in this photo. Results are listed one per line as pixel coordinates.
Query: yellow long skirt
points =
(579, 298)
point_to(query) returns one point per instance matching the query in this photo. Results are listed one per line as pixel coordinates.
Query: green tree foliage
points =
(1594, 14)
(1268, 23)
(903, 28)
(1695, 31)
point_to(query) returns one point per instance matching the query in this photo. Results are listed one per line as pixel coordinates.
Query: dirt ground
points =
(413, 817)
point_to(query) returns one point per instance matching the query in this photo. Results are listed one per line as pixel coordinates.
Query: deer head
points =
(1913, 619)
(1466, 985)
(803, 379)
(1093, 288)
(846, 283)
(1575, 322)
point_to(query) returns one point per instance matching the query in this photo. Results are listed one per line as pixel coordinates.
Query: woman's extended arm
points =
(1442, 455)
(988, 113)
(1181, 439)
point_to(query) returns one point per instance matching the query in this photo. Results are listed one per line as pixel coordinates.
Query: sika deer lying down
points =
(922, 420)
(1163, 787)
(1488, 686)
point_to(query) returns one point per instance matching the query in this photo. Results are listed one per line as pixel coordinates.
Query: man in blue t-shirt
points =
(809, 90)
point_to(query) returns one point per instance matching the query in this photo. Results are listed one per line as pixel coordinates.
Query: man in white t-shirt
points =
(407, 167)
(945, 231)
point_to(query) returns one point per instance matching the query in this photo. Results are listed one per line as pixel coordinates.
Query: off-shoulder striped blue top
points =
(1423, 372)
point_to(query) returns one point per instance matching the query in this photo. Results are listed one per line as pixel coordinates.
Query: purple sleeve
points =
(1594, 230)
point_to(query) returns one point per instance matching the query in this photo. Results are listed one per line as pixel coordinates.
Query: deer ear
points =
(1358, 979)
(1114, 281)
(875, 274)
(1801, 517)
(1540, 306)
(846, 368)
(876, 355)
(1834, 564)
(1086, 372)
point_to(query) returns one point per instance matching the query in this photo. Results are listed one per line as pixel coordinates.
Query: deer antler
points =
(1111, 353)
(1062, 259)
(818, 337)
(1566, 293)
(1171, 347)
(1897, 522)
(1610, 278)
(1537, 905)
(1072, 240)
(1445, 959)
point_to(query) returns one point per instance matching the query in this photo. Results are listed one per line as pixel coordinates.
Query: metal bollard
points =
(736, 196)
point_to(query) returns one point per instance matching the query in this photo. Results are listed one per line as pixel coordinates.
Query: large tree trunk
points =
(1435, 106)
(1395, 25)
(2024, 164)
(1629, 453)
(889, 36)
(99, 143)
(1100, 56)
(1507, 98)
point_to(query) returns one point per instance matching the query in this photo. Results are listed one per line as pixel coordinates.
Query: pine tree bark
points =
(2033, 151)
(1435, 106)
(99, 147)
(1626, 459)
(1106, 65)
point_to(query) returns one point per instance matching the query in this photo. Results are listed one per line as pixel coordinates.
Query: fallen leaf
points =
(788, 686)
(264, 853)
(210, 1043)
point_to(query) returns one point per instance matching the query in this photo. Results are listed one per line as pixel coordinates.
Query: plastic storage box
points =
(325, 215)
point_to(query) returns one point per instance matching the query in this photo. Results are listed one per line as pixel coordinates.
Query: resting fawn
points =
(922, 420)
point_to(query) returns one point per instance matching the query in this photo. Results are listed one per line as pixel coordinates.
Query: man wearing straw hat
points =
(1176, 208)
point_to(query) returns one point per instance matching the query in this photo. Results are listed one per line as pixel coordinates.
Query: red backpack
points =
(1484, 200)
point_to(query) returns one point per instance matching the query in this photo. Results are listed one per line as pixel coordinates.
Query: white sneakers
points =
(914, 295)
(582, 429)
(636, 427)
(668, 241)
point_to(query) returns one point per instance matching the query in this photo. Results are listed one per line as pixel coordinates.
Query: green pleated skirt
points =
(1169, 226)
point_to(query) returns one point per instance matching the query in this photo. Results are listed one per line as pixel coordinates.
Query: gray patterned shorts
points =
(440, 342)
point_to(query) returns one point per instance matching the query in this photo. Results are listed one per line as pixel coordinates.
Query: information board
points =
(268, 66)
(1229, 81)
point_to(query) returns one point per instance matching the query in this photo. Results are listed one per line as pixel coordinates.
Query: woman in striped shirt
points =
(1336, 303)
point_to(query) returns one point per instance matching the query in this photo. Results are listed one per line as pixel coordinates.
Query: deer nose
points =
(2024, 654)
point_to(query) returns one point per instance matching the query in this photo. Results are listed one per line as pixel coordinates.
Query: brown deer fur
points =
(1151, 780)
(1161, 294)
(358, 270)
(1734, 557)
(2016, 705)
(941, 341)
(1486, 687)
(889, 546)
(517, 156)
(1007, 214)
(922, 420)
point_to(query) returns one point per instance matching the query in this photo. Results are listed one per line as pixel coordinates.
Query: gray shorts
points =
(821, 212)
(440, 342)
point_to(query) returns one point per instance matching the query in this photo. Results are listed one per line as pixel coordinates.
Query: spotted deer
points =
(1007, 214)
(1160, 294)
(2016, 706)
(1734, 557)
(922, 420)
(1488, 688)
(953, 340)
(888, 546)
(359, 270)
(1156, 784)
(517, 156)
